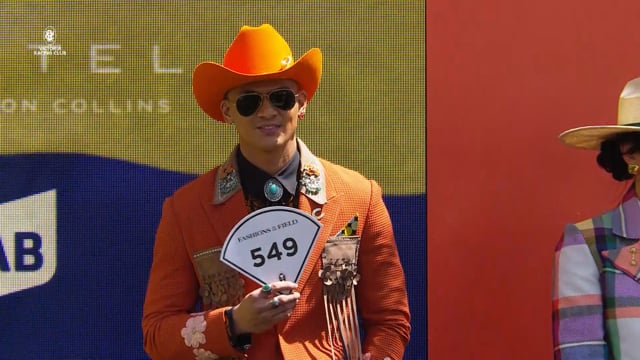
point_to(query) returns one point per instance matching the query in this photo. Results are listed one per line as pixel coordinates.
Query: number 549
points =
(288, 244)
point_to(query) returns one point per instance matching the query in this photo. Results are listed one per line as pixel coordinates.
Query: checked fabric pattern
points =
(596, 290)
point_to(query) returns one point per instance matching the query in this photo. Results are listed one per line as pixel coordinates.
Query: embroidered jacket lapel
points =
(226, 205)
(625, 225)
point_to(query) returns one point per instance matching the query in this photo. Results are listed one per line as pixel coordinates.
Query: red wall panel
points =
(504, 78)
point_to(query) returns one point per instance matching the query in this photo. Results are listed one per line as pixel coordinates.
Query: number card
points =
(271, 241)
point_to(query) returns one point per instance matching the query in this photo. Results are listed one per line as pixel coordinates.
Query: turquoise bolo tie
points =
(273, 190)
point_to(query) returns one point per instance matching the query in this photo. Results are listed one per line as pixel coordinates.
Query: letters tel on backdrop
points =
(271, 242)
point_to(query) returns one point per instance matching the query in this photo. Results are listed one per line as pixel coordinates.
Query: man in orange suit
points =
(197, 307)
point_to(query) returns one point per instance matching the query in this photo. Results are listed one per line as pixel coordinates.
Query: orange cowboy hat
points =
(590, 137)
(257, 53)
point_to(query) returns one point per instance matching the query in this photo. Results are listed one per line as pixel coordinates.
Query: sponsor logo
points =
(27, 242)
(49, 36)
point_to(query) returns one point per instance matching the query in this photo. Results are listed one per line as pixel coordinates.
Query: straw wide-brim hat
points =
(590, 137)
(256, 54)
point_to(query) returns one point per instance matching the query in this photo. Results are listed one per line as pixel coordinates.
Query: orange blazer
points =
(186, 271)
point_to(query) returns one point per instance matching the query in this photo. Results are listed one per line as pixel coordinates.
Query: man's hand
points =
(264, 307)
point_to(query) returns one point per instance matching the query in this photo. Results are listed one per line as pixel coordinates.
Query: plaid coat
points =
(187, 270)
(596, 291)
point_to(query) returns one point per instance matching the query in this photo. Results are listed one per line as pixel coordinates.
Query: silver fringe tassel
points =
(339, 276)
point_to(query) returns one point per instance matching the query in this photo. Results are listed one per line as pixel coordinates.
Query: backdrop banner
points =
(98, 126)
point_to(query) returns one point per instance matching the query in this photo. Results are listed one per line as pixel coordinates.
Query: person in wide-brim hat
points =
(617, 143)
(596, 285)
(256, 54)
(296, 296)
(590, 137)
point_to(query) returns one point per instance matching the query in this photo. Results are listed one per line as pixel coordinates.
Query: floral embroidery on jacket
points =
(228, 180)
(202, 354)
(193, 332)
(310, 179)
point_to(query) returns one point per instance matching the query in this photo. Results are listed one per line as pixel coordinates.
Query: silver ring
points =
(275, 302)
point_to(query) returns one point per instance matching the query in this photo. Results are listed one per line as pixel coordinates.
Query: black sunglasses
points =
(283, 99)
